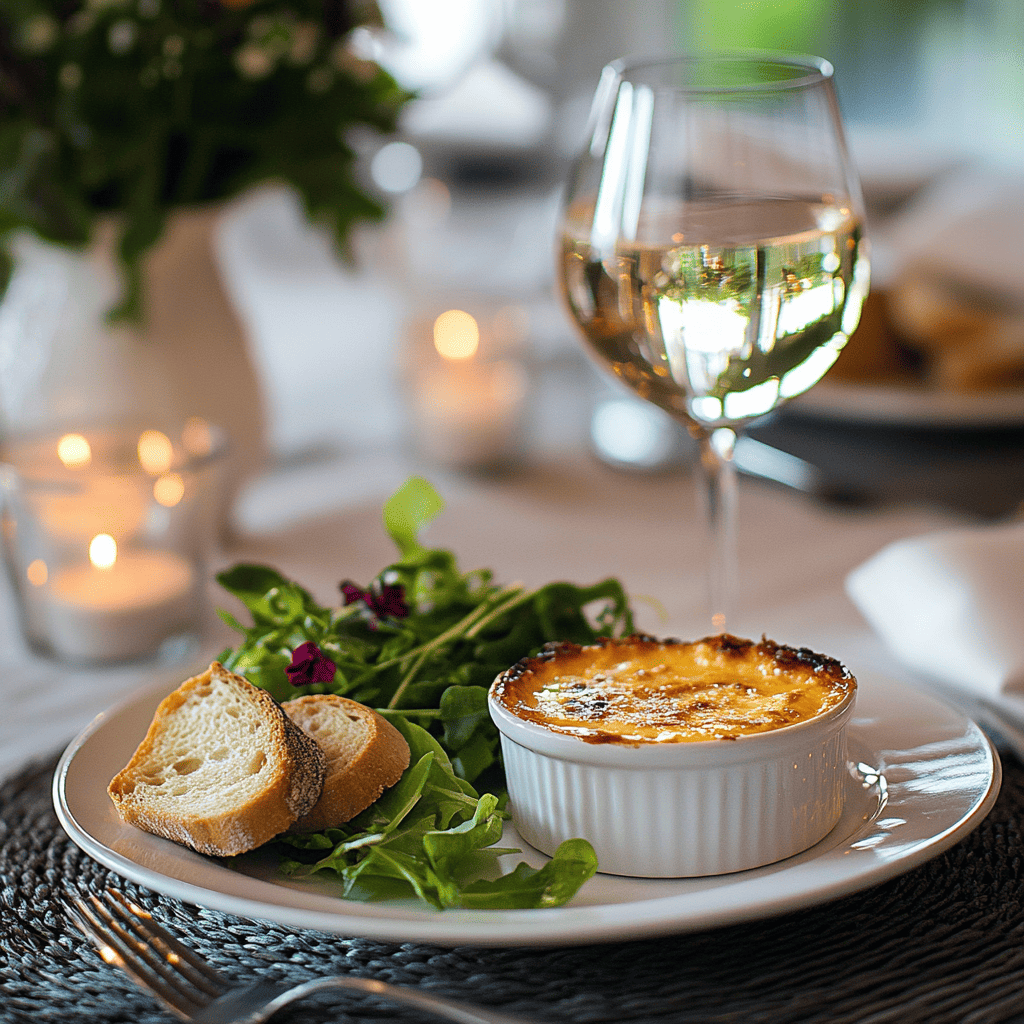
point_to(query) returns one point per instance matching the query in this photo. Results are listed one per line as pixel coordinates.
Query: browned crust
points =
(351, 788)
(298, 770)
(509, 687)
(721, 643)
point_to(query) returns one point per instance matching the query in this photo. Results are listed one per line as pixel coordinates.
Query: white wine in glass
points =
(713, 251)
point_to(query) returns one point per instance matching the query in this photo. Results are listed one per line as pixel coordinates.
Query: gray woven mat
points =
(944, 943)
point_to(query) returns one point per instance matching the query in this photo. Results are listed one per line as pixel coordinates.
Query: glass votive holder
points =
(106, 537)
(466, 381)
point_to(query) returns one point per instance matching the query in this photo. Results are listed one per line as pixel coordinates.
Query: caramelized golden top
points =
(643, 690)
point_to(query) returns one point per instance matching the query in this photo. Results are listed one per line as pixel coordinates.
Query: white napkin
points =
(951, 605)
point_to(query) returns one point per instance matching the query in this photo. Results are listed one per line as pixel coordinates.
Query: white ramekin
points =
(667, 810)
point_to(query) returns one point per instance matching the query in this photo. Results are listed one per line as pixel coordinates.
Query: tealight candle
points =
(114, 504)
(467, 414)
(106, 534)
(466, 409)
(119, 605)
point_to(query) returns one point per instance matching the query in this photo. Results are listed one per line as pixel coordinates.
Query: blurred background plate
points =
(909, 405)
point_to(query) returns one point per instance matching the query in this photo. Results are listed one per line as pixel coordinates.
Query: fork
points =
(129, 937)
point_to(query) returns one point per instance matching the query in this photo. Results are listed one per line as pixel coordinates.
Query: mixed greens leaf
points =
(422, 642)
(432, 835)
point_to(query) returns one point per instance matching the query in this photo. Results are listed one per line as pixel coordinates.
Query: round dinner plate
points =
(921, 777)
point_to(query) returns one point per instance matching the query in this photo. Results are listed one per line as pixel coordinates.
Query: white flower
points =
(253, 61)
(38, 34)
(121, 36)
(305, 37)
(70, 76)
(319, 80)
(149, 8)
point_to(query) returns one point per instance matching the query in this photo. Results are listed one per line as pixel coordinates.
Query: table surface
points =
(937, 944)
(563, 516)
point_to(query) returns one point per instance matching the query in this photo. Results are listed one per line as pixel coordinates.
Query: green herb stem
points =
(519, 597)
(409, 677)
(468, 626)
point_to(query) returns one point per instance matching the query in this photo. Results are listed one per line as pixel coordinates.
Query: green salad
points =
(421, 643)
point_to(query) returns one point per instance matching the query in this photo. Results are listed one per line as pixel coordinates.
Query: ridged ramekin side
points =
(675, 822)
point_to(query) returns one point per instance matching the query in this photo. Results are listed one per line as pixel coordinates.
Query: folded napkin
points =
(951, 605)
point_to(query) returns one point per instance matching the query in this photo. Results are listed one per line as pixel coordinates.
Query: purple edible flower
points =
(386, 601)
(309, 665)
(389, 602)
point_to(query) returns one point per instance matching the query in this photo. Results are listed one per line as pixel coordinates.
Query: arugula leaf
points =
(423, 832)
(408, 510)
(428, 671)
(431, 836)
(463, 711)
(573, 863)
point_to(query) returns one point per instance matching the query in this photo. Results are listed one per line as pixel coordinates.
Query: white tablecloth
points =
(566, 517)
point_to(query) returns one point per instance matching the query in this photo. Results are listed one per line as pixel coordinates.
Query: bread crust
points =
(351, 784)
(295, 771)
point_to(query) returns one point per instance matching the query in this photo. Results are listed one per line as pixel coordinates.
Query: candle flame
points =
(156, 453)
(74, 451)
(103, 551)
(169, 489)
(456, 335)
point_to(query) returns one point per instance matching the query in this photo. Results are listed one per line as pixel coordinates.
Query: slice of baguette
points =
(222, 769)
(365, 755)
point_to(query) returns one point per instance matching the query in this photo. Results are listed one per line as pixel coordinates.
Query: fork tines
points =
(127, 935)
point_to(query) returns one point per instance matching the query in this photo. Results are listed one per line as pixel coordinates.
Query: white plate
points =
(910, 406)
(938, 776)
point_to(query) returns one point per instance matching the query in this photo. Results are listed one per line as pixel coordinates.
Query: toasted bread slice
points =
(222, 769)
(365, 755)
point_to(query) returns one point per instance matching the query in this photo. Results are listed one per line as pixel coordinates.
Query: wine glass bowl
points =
(712, 248)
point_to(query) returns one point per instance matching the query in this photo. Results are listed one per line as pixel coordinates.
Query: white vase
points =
(64, 366)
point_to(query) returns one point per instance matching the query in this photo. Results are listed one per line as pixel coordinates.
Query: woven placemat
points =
(943, 943)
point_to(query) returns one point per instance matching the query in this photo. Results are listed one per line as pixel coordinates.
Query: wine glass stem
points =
(717, 491)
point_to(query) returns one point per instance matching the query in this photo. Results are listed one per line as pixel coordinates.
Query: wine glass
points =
(713, 250)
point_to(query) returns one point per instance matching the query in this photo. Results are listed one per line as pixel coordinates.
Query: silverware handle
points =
(256, 1003)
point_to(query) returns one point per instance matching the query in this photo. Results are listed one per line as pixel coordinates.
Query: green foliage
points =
(429, 673)
(432, 836)
(435, 664)
(713, 275)
(793, 25)
(138, 107)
